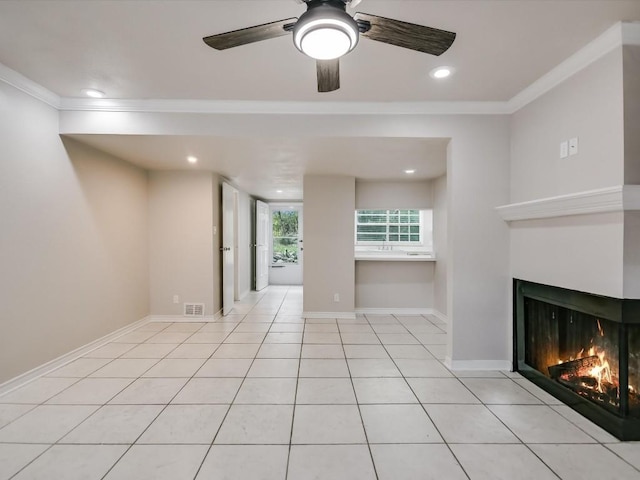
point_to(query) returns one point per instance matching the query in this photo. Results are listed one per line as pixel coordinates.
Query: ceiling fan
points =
(326, 32)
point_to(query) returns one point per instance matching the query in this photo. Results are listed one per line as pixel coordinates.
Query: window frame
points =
(388, 212)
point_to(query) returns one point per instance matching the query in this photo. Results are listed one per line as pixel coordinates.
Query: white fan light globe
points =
(326, 43)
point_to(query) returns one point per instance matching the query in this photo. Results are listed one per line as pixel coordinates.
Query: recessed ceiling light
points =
(192, 160)
(278, 191)
(93, 93)
(441, 72)
(410, 171)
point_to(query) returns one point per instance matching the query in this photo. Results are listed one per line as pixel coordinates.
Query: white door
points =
(262, 245)
(286, 244)
(227, 248)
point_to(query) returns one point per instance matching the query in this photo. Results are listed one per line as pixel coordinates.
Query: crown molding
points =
(621, 198)
(285, 107)
(613, 37)
(22, 83)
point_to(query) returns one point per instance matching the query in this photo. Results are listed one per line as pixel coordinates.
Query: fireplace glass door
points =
(579, 351)
(582, 348)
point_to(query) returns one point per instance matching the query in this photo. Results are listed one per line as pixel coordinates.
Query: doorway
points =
(286, 244)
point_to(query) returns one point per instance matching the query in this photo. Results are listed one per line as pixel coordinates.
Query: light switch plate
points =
(564, 149)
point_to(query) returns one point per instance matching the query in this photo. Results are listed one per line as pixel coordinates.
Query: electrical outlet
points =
(336, 297)
(176, 299)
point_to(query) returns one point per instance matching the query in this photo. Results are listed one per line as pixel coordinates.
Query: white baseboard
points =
(440, 316)
(45, 368)
(348, 315)
(183, 319)
(403, 311)
(395, 311)
(502, 365)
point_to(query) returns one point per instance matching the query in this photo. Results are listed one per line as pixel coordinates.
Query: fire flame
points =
(589, 370)
(602, 372)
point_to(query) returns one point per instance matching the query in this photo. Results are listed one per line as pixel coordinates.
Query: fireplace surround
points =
(584, 349)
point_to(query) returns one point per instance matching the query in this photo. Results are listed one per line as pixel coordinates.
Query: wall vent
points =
(194, 309)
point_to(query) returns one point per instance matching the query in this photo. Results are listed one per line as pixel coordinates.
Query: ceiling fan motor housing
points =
(325, 31)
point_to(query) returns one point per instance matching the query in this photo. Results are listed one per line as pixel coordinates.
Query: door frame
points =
(287, 274)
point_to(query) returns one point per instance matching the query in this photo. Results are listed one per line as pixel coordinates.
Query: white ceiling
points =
(262, 165)
(153, 50)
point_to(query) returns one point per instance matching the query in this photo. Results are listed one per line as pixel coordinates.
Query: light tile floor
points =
(264, 394)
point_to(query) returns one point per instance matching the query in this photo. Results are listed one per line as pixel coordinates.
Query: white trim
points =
(395, 311)
(596, 49)
(456, 365)
(349, 315)
(404, 311)
(37, 91)
(440, 316)
(183, 319)
(285, 107)
(612, 199)
(50, 366)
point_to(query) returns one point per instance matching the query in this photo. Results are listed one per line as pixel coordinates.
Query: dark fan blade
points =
(243, 36)
(328, 75)
(407, 35)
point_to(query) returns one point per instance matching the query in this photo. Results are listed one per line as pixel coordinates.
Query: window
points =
(284, 224)
(392, 227)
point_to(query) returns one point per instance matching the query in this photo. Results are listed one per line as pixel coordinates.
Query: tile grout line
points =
(421, 404)
(366, 437)
(130, 446)
(295, 402)
(488, 409)
(204, 458)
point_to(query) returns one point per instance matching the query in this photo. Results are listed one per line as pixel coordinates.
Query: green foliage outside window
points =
(285, 236)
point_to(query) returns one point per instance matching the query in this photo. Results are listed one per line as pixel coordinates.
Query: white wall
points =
(631, 79)
(580, 252)
(478, 244)
(393, 194)
(631, 255)
(394, 284)
(181, 213)
(244, 243)
(329, 205)
(588, 105)
(73, 241)
(631, 71)
(478, 181)
(440, 209)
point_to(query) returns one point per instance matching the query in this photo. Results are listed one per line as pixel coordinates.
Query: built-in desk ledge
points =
(393, 256)
(620, 198)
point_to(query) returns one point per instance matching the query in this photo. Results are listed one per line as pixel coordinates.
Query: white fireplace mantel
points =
(620, 198)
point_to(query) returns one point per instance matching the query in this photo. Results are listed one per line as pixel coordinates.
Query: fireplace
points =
(584, 349)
